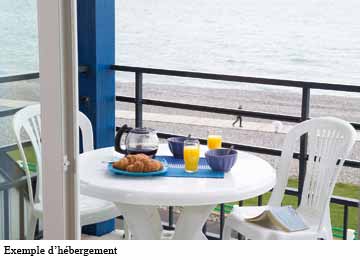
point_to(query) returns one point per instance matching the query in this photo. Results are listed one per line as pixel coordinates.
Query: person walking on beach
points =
(238, 119)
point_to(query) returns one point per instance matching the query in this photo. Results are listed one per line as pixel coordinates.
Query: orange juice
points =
(214, 141)
(191, 158)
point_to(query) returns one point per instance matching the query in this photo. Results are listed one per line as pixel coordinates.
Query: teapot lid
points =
(142, 130)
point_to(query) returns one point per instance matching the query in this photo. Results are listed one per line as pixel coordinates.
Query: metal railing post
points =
(138, 99)
(6, 197)
(222, 219)
(22, 216)
(345, 222)
(171, 217)
(305, 115)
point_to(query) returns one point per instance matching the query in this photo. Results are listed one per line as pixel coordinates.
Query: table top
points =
(251, 176)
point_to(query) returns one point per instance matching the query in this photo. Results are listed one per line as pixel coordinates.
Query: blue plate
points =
(137, 174)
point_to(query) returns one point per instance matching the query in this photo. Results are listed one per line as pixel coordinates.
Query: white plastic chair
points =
(330, 141)
(92, 210)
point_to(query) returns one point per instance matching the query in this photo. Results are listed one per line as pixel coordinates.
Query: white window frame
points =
(59, 106)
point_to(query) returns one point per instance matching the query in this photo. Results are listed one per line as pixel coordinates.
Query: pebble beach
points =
(272, 101)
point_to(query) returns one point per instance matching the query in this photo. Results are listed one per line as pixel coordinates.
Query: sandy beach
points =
(272, 100)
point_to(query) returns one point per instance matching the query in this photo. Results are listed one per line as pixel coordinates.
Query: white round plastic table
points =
(138, 198)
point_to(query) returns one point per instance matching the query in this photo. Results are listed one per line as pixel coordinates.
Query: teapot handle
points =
(119, 134)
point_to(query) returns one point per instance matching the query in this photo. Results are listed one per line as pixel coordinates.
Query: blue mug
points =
(176, 146)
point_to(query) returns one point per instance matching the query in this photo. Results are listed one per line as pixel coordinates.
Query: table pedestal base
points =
(192, 219)
(144, 221)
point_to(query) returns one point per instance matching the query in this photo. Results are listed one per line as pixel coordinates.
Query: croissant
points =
(152, 166)
(138, 163)
(142, 157)
(131, 158)
(139, 166)
(159, 165)
(122, 164)
(131, 168)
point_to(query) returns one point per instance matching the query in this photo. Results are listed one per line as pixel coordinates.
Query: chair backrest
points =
(330, 141)
(86, 132)
(28, 119)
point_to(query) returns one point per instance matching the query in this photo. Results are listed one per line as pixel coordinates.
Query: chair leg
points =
(31, 227)
(327, 225)
(127, 231)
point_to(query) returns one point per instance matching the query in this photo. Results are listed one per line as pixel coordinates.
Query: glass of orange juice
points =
(191, 155)
(214, 139)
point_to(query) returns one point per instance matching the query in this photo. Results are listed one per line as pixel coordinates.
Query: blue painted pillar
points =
(96, 50)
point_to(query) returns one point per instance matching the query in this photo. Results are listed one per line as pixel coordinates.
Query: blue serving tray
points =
(176, 169)
(137, 174)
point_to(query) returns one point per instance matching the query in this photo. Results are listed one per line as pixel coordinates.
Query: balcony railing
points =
(306, 88)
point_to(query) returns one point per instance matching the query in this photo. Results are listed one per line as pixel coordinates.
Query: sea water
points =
(311, 40)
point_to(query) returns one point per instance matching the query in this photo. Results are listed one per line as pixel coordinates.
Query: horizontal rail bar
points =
(217, 110)
(12, 78)
(83, 69)
(244, 79)
(8, 184)
(34, 75)
(257, 149)
(247, 148)
(355, 125)
(334, 199)
(9, 112)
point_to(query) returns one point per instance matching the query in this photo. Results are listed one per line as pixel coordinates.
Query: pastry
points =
(142, 157)
(138, 166)
(152, 166)
(122, 164)
(138, 163)
(131, 168)
(131, 158)
(159, 165)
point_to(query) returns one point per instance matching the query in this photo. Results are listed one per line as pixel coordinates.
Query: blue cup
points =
(176, 146)
(221, 160)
